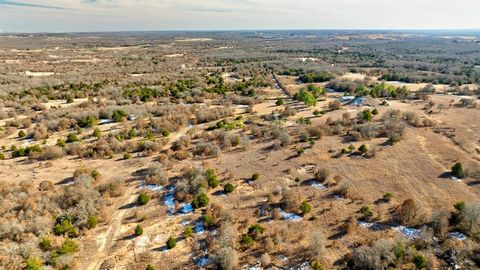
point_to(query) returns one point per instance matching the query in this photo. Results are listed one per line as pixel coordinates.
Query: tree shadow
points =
(445, 175)
(474, 183)
(341, 232)
(161, 249)
(219, 193)
(381, 201)
(129, 237)
(127, 206)
(65, 181)
(140, 172)
(292, 157)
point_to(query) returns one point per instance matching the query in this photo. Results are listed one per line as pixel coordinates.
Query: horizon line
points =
(250, 30)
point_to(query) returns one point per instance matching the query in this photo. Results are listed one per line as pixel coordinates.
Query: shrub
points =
(21, 134)
(40, 133)
(188, 231)
(97, 133)
(387, 197)
(166, 133)
(61, 143)
(399, 251)
(92, 222)
(143, 199)
(95, 174)
(2, 156)
(127, 155)
(118, 115)
(156, 174)
(457, 170)
(229, 188)
(321, 175)
(132, 133)
(363, 149)
(393, 140)
(227, 258)
(279, 102)
(208, 220)
(171, 242)
(138, 230)
(316, 265)
(255, 176)
(317, 113)
(51, 153)
(366, 115)
(470, 219)
(459, 206)
(33, 263)
(89, 121)
(316, 245)
(255, 230)
(420, 261)
(409, 212)
(366, 212)
(22, 152)
(247, 240)
(67, 247)
(150, 267)
(306, 97)
(200, 200)
(334, 105)
(212, 180)
(65, 227)
(379, 256)
(305, 207)
(265, 260)
(300, 151)
(375, 112)
(72, 137)
(45, 244)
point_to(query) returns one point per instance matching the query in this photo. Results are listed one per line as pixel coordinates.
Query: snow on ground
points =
(169, 200)
(290, 216)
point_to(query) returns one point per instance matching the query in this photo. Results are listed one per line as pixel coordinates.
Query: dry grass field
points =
(166, 152)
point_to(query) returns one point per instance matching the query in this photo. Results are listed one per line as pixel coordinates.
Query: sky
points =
(150, 15)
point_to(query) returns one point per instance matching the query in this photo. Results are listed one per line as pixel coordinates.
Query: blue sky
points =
(130, 15)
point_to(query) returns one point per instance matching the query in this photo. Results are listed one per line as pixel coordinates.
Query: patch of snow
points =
(456, 179)
(318, 185)
(186, 208)
(364, 224)
(458, 236)
(152, 187)
(338, 198)
(169, 200)
(410, 233)
(262, 212)
(290, 216)
(199, 229)
(105, 121)
(303, 266)
(203, 261)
